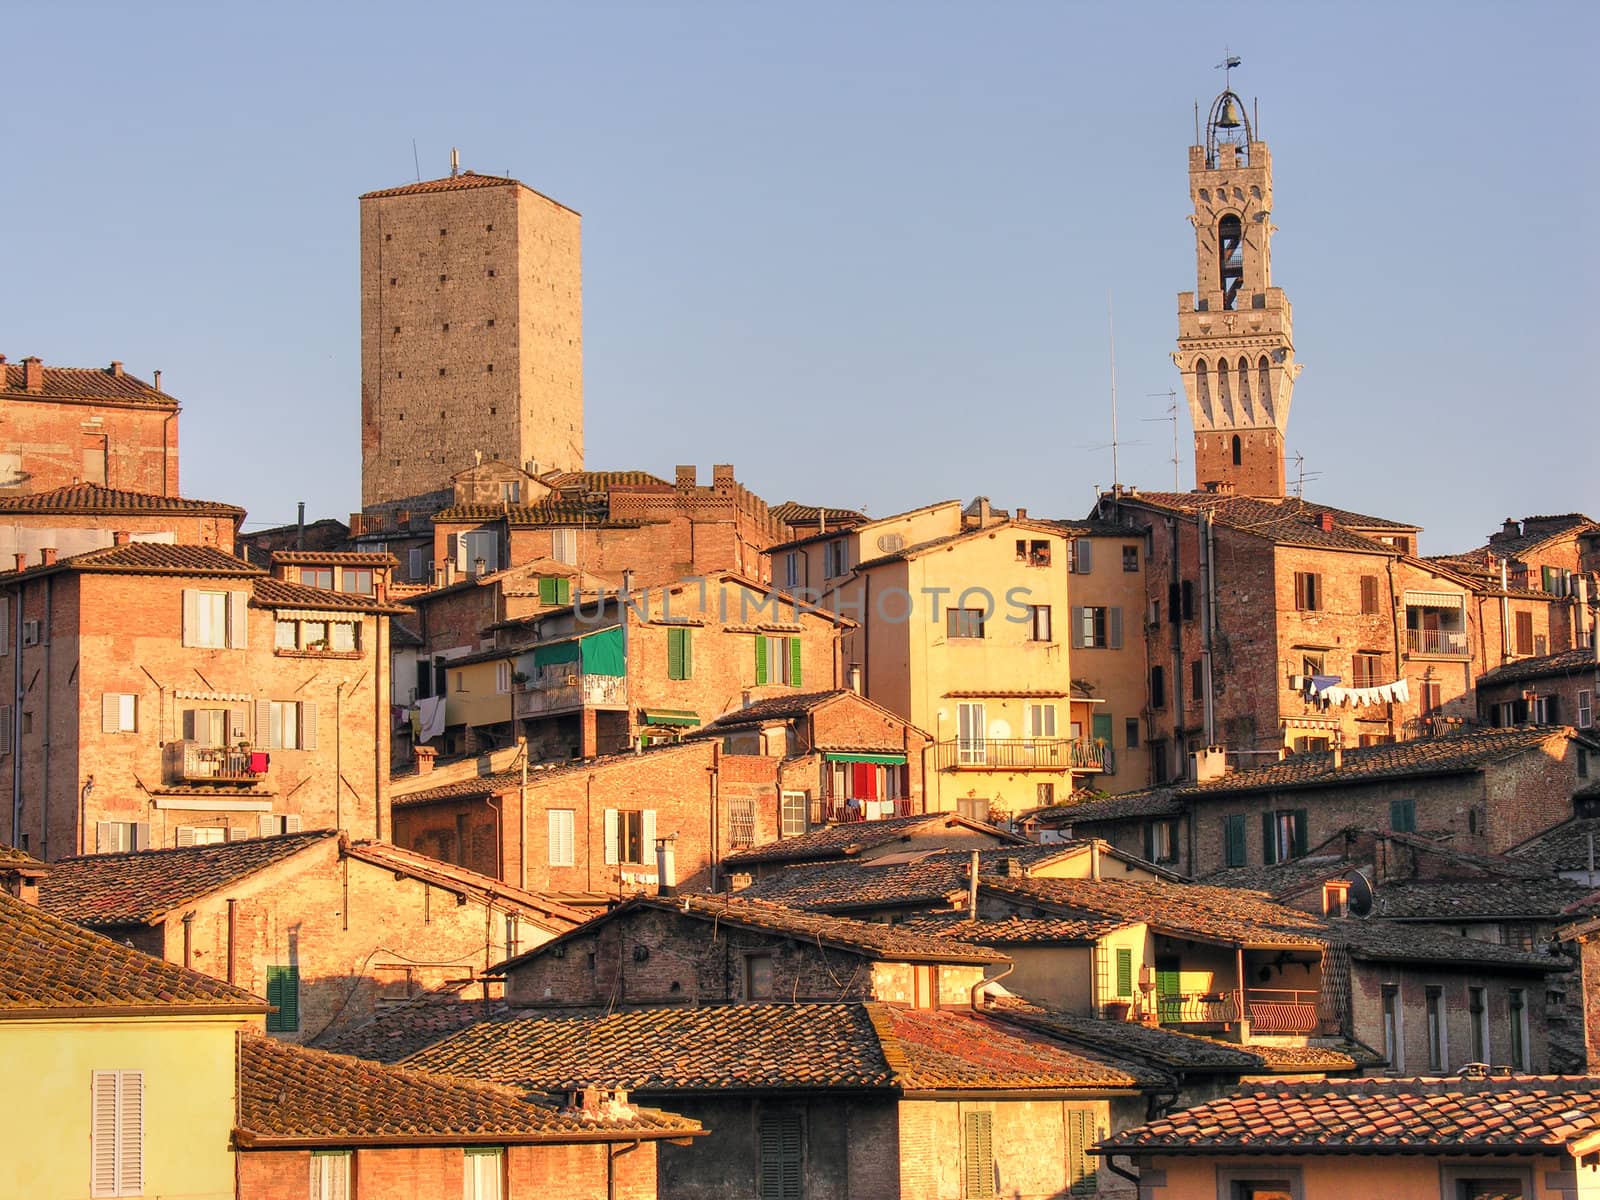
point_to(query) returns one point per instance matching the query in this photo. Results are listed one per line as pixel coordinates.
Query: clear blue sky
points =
(862, 251)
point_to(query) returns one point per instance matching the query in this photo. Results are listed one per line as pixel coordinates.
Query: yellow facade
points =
(1371, 1177)
(473, 694)
(187, 1064)
(1114, 676)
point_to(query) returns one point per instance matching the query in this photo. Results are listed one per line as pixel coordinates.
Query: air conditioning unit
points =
(1299, 683)
(30, 633)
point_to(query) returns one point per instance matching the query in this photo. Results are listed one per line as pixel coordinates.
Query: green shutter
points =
(1125, 973)
(761, 659)
(1403, 816)
(794, 661)
(979, 1155)
(1269, 841)
(1235, 840)
(1150, 841)
(1083, 1179)
(781, 1150)
(1101, 725)
(563, 591)
(1300, 822)
(547, 589)
(283, 992)
(675, 654)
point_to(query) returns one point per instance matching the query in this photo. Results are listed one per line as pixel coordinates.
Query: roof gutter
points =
(245, 1139)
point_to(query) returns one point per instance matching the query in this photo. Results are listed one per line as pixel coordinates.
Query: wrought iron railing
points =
(1451, 642)
(559, 692)
(1281, 1010)
(827, 809)
(191, 762)
(1022, 754)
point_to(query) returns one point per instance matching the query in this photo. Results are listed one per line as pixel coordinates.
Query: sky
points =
(872, 254)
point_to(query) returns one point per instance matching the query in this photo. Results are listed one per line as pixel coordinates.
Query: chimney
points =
(22, 561)
(116, 369)
(425, 756)
(47, 556)
(20, 879)
(1022, 514)
(1208, 763)
(33, 374)
(1338, 754)
(983, 512)
(119, 537)
(855, 678)
(1094, 859)
(1325, 522)
(666, 866)
(1509, 529)
(300, 528)
(686, 477)
(156, 383)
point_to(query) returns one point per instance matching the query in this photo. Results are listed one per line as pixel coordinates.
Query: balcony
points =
(1438, 643)
(191, 762)
(559, 692)
(829, 809)
(1022, 754)
(1269, 1010)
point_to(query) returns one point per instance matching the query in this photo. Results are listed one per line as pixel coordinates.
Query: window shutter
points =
(563, 591)
(1077, 627)
(1236, 840)
(283, 991)
(1150, 841)
(264, 724)
(103, 1135)
(1188, 599)
(611, 837)
(239, 620)
(780, 1148)
(979, 1153)
(110, 712)
(5, 624)
(291, 823)
(794, 662)
(647, 835)
(140, 834)
(5, 729)
(308, 725)
(1085, 556)
(688, 653)
(761, 660)
(130, 1132)
(1269, 843)
(238, 726)
(1081, 1164)
(1115, 624)
(185, 835)
(1300, 822)
(267, 825)
(547, 589)
(674, 654)
(1124, 972)
(191, 615)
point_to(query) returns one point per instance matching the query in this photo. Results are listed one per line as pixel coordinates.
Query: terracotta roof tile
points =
(465, 181)
(1476, 899)
(1397, 941)
(290, 1094)
(797, 515)
(1288, 521)
(344, 558)
(142, 886)
(505, 781)
(1564, 847)
(11, 857)
(850, 838)
(148, 558)
(1089, 927)
(279, 593)
(48, 964)
(600, 481)
(397, 1031)
(1449, 1116)
(1157, 802)
(92, 498)
(84, 384)
(1567, 664)
(949, 1050)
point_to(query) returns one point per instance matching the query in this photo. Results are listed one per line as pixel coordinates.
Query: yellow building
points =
(963, 630)
(124, 1064)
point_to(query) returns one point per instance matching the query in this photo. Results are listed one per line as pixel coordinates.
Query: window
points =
(1369, 594)
(1307, 591)
(6, 718)
(680, 654)
(554, 590)
(564, 545)
(289, 724)
(1238, 442)
(742, 821)
(215, 620)
(1438, 1032)
(780, 1141)
(1472, 1183)
(1161, 841)
(836, 557)
(1130, 559)
(477, 552)
(560, 823)
(1039, 623)
(119, 712)
(1080, 560)
(1034, 553)
(1233, 829)
(200, 835)
(356, 580)
(777, 660)
(793, 815)
(1125, 974)
(1096, 628)
(1478, 1011)
(1583, 763)
(1248, 1184)
(971, 728)
(119, 837)
(963, 622)
(1519, 1029)
(502, 678)
(630, 835)
(1197, 679)
(977, 1144)
(1083, 1178)
(116, 1133)
(1158, 687)
(1044, 794)
(330, 1175)
(1524, 626)
(317, 637)
(1585, 709)
(1130, 732)
(415, 563)
(1186, 599)
(1283, 835)
(1366, 670)
(1403, 816)
(483, 1170)
(1336, 898)
(1393, 1046)
(794, 569)
(317, 577)
(283, 991)
(758, 977)
(274, 825)
(1041, 720)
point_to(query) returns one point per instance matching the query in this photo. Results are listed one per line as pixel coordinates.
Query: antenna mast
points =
(1111, 330)
(1172, 416)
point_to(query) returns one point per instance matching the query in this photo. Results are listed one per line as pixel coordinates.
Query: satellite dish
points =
(1360, 897)
(889, 543)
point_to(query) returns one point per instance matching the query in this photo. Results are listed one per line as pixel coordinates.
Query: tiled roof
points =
(451, 183)
(795, 514)
(1564, 847)
(850, 838)
(92, 384)
(49, 964)
(1399, 941)
(600, 481)
(1567, 663)
(142, 886)
(399, 1030)
(1537, 531)
(1157, 802)
(343, 558)
(552, 913)
(1443, 1116)
(1458, 753)
(867, 938)
(92, 498)
(1476, 899)
(279, 593)
(504, 781)
(1173, 1049)
(13, 858)
(294, 1095)
(773, 1047)
(1216, 914)
(778, 707)
(1088, 927)
(924, 878)
(555, 510)
(1282, 879)
(1288, 522)
(148, 558)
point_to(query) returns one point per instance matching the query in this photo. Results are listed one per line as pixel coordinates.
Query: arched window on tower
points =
(1230, 253)
(1244, 382)
(1264, 381)
(1203, 382)
(1238, 451)
(1224, 393)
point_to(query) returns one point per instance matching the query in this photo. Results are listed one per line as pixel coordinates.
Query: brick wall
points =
(69, 534)
(49, 440)
(1412, 981)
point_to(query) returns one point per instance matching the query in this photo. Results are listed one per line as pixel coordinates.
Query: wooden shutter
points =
(139, 835)
(191, 615)
(675, 654)
(1188, 599)
(185, 835)
(547, 589)
(688, 653)
(5, 729)
(794, 662)
(1150, 841)
(611, 837)
(1081, 1167)
(1235, 835)
(647, 836)
(267, 825)
(130, 1132)
(291, 823)
(978, 1145)
(1085, 556)
(110, 713)
(1300, 822)
(283, 991)
(239, 620)
(781, 1149)
(1269, 841)
(5, 624)
(103, 1134)
(761, 659)
(1369, 593)
(1125, 972)
(263, 736)
(1077, 627)
(1114, 628)
(308, 725)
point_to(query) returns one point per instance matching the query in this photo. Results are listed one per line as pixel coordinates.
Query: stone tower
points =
(471, 335)
(1235, 341)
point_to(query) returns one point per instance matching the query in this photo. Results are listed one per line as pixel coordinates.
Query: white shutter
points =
(263, 738)
(5, 729)
(291, 823)
(107, 839)
(103, 1134)
(239, 620)
(308, 725)
(238, 719)
(611, 837)
(1085, 556)
(130, 1133)
(140, 835)
(647, 848)
(267, 824)
(560, 824)
(185, 835)
(191, 616)
(129, 714)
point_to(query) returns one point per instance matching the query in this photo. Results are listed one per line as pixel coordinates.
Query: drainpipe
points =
(44, 784)
(382, 696)
(1394, 612)
(1208, 597)
(972, 889)
(1132, 1176)
(975, 994)
(1505, 614)
(1175, 621)
(16, 709)
(338, 757)
(714, 773)
(233, 926)
(522, 819)
(611, 1168)
(188, 941)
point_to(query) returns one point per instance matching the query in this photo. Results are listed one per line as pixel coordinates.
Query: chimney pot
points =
(1338, 756)
(157, 381)
(119, 537)
(47, 556)
(425, 757)
(22, 561)
(116, 368)
(1326, 521)
(855, 678)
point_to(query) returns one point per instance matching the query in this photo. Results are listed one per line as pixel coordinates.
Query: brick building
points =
(86, 516)
(97, 425)
(327, 930)
(870, 841)
(471, 335)
(1554, 689)
(160, 692)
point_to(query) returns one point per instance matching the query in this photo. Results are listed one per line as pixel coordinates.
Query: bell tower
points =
(1235, 341)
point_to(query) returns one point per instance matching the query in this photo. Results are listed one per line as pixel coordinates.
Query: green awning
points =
(888, 760)
(554, 655)
(670, 716)
(603, 653)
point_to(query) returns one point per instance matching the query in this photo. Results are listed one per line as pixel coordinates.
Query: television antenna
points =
(1301, 475)
(1172, 416)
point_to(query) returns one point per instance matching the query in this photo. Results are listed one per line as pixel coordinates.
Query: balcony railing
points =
(557, 693)
(1445, 642)
(1281, 1010)
(1198, 1008)
(828, 809)
(191, 762)
(1022, 754)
